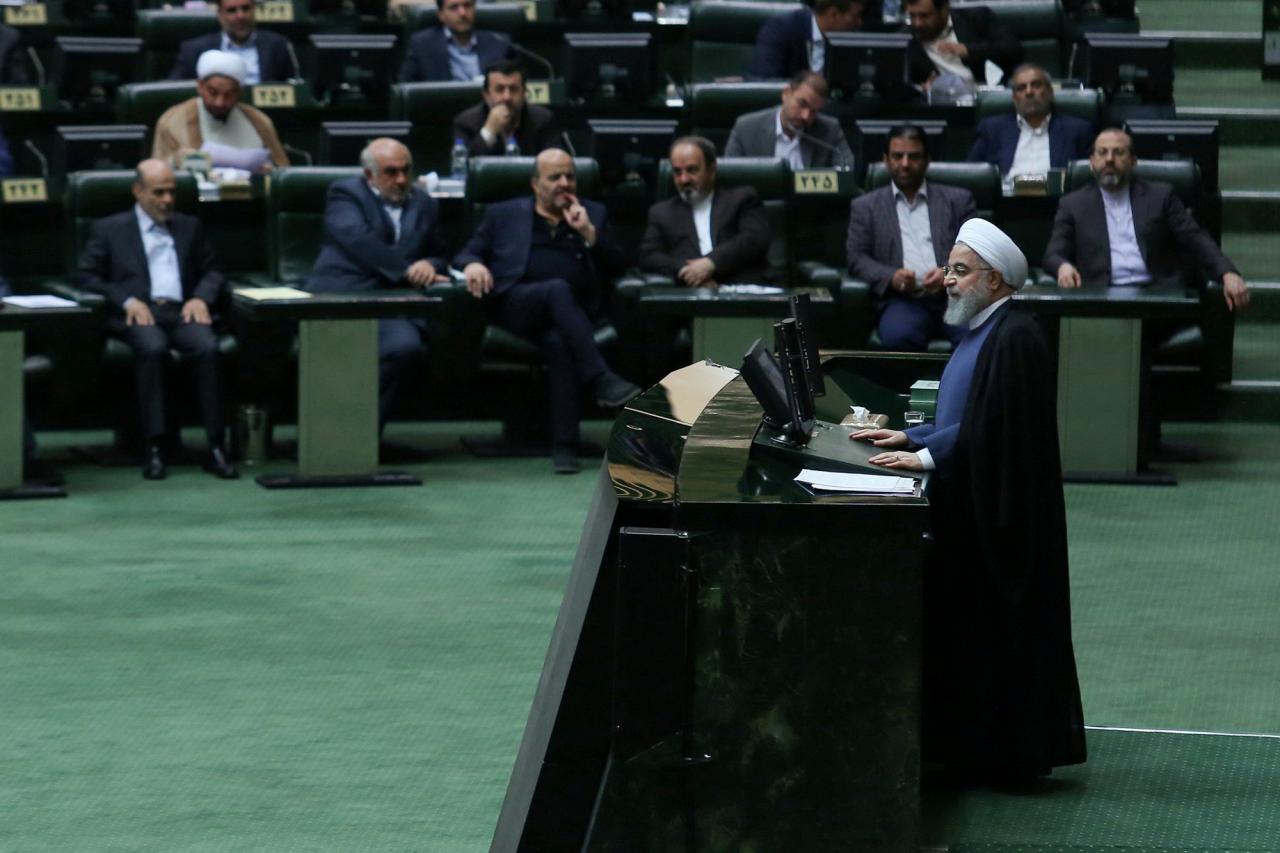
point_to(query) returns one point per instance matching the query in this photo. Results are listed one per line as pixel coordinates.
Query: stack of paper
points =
(261, 293)
(39, 301)
(863, 484)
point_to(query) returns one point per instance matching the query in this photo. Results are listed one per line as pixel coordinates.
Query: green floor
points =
(1240, 16)
(203, 665)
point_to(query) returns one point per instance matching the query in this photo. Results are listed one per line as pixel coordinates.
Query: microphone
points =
(839, 158)
(541, 60)
(38, 65)
(568, 143)
(293, 57)
(44, 161)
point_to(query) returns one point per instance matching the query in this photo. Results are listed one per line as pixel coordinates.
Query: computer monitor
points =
(871, 138)
(342, 141)
(620, 10)
(807, 330)
(89, 69)
(350, 67)
(609, 67)
(94, 147)
(786, 343)
(1130, 67)
(630, 150)
(1178, 139)
(763, 375)
(862, 64)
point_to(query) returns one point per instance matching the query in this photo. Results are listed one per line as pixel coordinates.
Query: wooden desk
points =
(338, 381)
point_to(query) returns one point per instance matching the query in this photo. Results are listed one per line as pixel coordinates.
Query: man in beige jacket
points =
(216, 123)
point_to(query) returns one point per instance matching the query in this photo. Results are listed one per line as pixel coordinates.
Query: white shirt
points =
(947, 63)
(1032, 154)
(926, 458)
(162, 258)
(913, 223)
(249, 53)
(393, 211)
(817, 45)
(786, 147)
(1127, 266)
(702, 223)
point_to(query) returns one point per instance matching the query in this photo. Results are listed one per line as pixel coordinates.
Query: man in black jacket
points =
(159, 277)
(958, 42)
(705, 234)
(453, 49)
(502, 118)
(267, 55)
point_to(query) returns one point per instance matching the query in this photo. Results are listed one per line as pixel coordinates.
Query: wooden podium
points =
(736, 663)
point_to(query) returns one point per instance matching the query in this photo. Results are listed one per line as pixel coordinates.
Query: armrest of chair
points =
(83, 298)
(815, 274)
(1218, 325)
(455, 332)
(857, 314)
(1042, 279)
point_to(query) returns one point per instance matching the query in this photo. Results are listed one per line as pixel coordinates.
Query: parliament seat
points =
(1082, 103)
(144, 103)
(430, 107)
(714, 107)
(295, 218)
(1040, 25)
(163, 30)
(722, 35)
(506, 18)
(1208, 346)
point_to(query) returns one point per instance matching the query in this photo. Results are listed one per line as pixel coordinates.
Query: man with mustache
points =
(1034, 138)
(1001, 696)
(538, 261)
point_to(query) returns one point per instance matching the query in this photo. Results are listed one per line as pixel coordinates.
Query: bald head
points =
(155, 189)
(555, 182)
(388, 167)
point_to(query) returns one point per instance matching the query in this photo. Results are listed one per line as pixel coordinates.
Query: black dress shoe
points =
(217, 464)
(614, 392)
(564, 460)
(153, 466)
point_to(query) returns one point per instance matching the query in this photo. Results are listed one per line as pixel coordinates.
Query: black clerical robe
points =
(1000, 677)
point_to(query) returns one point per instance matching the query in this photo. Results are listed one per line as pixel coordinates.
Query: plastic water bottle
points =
(513, 147)
(458, 159)
(892, 13)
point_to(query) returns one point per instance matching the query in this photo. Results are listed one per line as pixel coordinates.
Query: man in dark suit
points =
(705, 234)
(6, 160)
(957, 42)
(796, 41)
(897, 235)
(13, 62)
(537, 261)
(159, 278)
(1033, 138)
(797, 131)
(268, 56)
(380, 231)
(503, 121)
(1123, 230)
(453, 49)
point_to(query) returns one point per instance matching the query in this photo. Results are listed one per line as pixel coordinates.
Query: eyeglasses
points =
(959, 271)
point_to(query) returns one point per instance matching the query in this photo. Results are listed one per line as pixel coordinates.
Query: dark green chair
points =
(981, 179)
(163, 30)
(503, 354)
(1040, 25)
(507, 18)
(430, 107)
(722, 36)
(1081, 103)
(295, 218)
(714, 107)
(143, 103)
(1208, 346)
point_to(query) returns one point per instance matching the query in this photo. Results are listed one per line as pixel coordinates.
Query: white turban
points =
(221, 63)
(996, 248)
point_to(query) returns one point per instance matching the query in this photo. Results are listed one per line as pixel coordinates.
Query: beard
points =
(692, 196)
(1110, 181)
(961, 309)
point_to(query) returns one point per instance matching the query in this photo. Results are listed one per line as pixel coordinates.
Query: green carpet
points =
(1222, 87)
(1255, 253)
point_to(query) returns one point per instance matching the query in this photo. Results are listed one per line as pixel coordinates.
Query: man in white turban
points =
(215, 122)
(1001, 696)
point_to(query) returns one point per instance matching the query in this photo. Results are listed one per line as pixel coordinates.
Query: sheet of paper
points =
(273, 293)
(39, 302)
(248, 159)
(867, 484)
(750, 289)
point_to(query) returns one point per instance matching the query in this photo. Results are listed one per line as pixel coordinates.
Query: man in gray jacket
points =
(797, 131)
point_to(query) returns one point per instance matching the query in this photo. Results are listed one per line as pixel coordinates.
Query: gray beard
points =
(1110, 182)
(962, 309)
(691, 196)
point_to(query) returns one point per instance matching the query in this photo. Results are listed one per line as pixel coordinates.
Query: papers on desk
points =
(750, 290)
(862, 484)
(39, 302)
(261, 293)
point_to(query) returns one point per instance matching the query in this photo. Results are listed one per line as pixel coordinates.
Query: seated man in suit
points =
(6, 159)
(957, 42)
(1123, 230)
(797, 131)
(453, 49)
(537, 261)
(13, 59)
(796, 41)
(268, 57)
(503, 123)
(705, 235)
(1033, 138)
(157, 273)
(380, 230)
(897, 236)
(215, 122)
